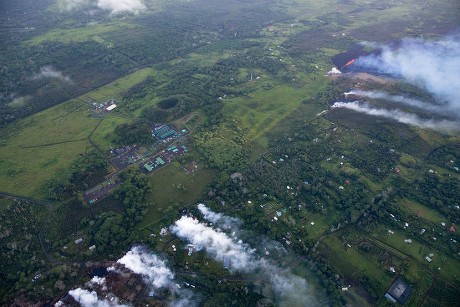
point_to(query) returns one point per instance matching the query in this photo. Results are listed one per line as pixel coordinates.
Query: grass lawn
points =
(172, 189)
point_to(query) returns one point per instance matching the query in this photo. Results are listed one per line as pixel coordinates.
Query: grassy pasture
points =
(81, 34)
(116, 88)
(172, 189)
(104, 136)
(421, 211)
(264, 109)
(42, 147)
(354, 263)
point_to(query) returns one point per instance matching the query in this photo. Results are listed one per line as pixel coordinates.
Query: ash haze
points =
(433, 65)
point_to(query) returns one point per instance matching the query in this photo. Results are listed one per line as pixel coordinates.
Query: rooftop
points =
(399, 291)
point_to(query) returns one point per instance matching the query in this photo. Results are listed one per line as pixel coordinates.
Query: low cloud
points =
(49, 72)
(118, 6)
(113, 6)
(400, 116)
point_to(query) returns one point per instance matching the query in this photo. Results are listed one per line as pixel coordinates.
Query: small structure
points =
(398, 292)
(408, 241)
(78, 241)
(92, 247)
(111, 107)
(428, 259)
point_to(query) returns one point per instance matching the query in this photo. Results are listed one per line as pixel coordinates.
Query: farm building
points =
(398, 292)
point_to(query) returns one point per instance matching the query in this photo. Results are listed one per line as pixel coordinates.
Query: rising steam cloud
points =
(288, 288)
(432, 65)
(90, 299)
(400, 116)
(152, 268)
(142, 262)
(113, 6)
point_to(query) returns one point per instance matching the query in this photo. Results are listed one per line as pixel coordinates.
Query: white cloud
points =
(118, 6)
(50, 72)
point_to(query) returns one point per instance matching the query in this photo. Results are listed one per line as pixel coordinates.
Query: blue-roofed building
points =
(398, 292)
(226, 263)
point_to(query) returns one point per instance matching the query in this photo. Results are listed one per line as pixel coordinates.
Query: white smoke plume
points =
(400, 116)
(400, 99)
(50, 72)
(216, 243)
(432, 65)
(218, 218)
(152, 268)
(113, 6)
(90, 299)
(288, 288)
(118, 6)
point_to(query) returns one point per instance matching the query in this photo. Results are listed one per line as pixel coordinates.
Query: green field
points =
(421, 211)
(43, 146)
(104, 136)
(263, 110)
(173, 189)
(81, 34)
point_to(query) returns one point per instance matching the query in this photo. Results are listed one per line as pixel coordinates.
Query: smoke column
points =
(400, 116)
(289, 289)
(432, 65)
(399, 99)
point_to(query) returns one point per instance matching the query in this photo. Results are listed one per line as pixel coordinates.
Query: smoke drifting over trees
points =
(432, 65)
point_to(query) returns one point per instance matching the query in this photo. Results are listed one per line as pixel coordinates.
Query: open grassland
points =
(172, 189)
(263, 110)
(117, 87)
(43, 146)
(81, 34)
(104, 136)
(354, 263)
(414, 208)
